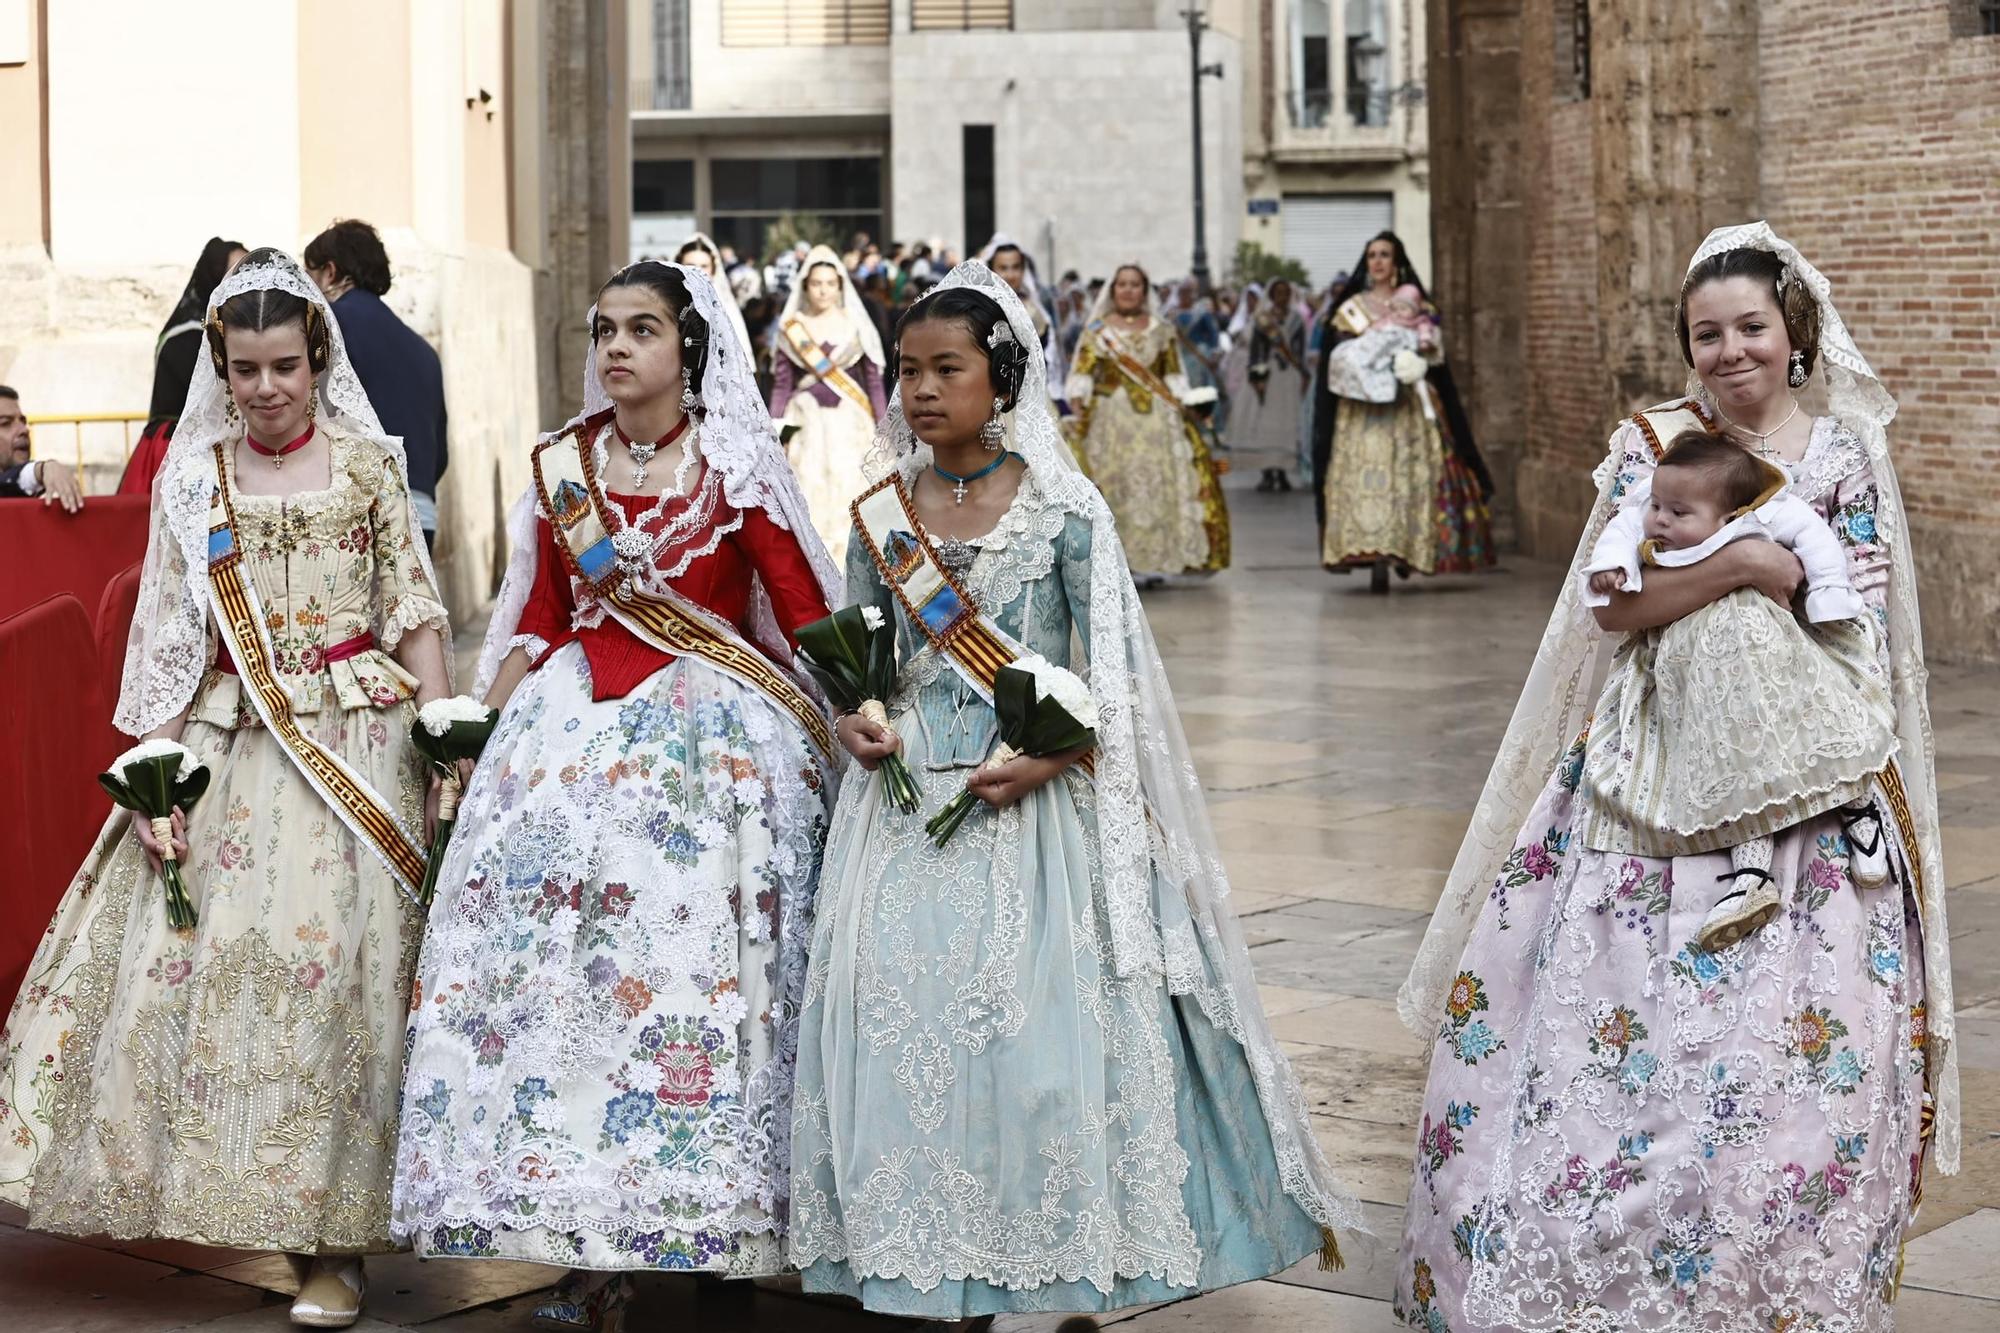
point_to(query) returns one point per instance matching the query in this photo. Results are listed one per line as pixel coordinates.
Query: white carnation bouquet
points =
(445, 732)
(1409, 366)
(155, 778)
(852, 654)
(1043, 709)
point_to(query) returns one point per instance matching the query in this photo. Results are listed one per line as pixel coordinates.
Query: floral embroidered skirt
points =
(601, 1047)
(234, 1085)
(1622, 1132)
(1395, 490)
(1145, 464)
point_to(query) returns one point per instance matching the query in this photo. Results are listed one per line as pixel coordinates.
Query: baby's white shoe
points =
(1867, 848)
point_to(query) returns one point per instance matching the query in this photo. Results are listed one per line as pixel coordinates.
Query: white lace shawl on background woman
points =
(1570, 664)
(744, 468)
(863, 332)
(168, 650)
(725, 293)
(1051, 343)
(1152, 820)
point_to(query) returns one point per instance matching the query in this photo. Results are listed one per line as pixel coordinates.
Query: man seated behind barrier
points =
(19, 475)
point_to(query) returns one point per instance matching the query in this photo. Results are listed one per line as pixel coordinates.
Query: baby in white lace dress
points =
(1736, 721)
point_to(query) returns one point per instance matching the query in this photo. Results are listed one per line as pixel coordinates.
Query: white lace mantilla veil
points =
(168, 649)
(1152, 820)
(726, 295)
(1051, 347)
(865, 331)
(1570, 665)
(1239, 319)
(745, 467)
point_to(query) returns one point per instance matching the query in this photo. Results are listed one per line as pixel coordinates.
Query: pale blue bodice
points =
(1031, 576)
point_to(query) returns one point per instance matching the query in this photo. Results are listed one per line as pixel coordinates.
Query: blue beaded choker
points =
(959, 483)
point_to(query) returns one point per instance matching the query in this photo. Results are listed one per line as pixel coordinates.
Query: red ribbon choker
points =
(679, 430)
(281, 450)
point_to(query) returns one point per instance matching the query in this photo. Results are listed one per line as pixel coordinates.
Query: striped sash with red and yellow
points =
(240, 621)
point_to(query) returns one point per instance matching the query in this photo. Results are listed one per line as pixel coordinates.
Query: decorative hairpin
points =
(1002, 333)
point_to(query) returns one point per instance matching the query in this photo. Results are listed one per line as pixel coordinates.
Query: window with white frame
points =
(1310, 63)
(1367, 38)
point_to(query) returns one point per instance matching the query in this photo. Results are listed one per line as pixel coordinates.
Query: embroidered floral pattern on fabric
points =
(605, 1082)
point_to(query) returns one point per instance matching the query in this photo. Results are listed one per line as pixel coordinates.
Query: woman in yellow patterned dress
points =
(1147, 457)
(236, 1084)
(1398, 481)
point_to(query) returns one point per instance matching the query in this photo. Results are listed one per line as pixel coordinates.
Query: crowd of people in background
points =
(1243, 366)
(1210, 323)
(1255, 372)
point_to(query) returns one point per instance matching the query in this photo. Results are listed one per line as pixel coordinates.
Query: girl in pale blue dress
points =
(1033, 1070)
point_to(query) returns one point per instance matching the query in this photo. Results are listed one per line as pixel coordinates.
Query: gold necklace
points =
(1763, 449)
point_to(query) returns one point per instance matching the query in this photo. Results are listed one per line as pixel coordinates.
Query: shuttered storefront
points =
(1325, 232)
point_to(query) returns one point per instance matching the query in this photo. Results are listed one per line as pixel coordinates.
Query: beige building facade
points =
(484, 139)
(1336, 136)
(1066, 125)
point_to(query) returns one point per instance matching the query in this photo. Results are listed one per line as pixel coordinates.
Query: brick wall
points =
(1868, 134)
(1881, 162)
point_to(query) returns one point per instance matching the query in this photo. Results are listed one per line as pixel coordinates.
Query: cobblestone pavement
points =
(1343, 739)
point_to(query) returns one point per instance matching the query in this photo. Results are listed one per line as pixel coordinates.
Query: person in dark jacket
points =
(20, 475)
(179, 343)
(399, 370)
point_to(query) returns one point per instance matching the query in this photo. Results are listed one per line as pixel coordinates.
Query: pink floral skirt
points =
(1623, 1132)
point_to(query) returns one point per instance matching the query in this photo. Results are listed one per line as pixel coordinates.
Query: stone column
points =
(1674, 102)
(583, 176)
(1478, 240)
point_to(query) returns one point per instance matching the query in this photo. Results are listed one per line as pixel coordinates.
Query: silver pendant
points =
(642, 458)
(955, 555)
(633, 546)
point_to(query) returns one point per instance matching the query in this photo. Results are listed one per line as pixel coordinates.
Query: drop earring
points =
(1797, 376)
(994, 431)
(687, 392)
(312, 405)
(229, 407)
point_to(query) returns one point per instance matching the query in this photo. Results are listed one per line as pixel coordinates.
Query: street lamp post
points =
(1196, 24)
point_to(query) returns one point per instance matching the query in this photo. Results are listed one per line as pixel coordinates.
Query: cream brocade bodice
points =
(329, 565)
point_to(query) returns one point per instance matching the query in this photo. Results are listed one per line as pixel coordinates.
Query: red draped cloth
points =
(59, 672)
(147, 455)
(44, 550)
(55, 738)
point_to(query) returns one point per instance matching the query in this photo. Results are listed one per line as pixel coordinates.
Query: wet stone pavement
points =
(1343, 739)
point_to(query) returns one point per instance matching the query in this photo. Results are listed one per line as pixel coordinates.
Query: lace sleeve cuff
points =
(403, 614)
(537, 646)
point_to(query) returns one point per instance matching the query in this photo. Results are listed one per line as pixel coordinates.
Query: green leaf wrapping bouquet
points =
(1042, 709)
(153, 777)
(446, 731)
(852, 654)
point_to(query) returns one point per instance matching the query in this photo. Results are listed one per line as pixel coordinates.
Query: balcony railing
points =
(805, 22)
(960, 15)
(1311, 108)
